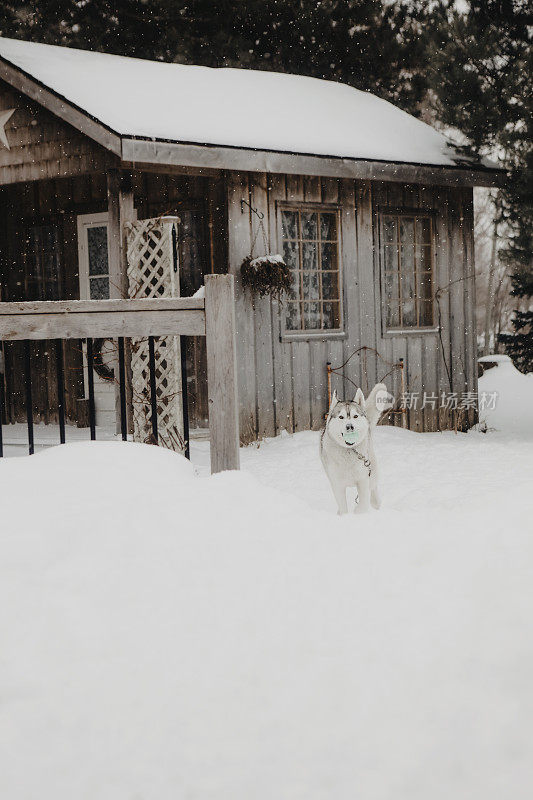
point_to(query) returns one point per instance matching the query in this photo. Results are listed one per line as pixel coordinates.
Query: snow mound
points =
(513, 411)
(169, 635)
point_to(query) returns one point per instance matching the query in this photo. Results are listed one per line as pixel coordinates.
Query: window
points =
(310, 239)
(93, 256)
(407, 270)
(98, 262)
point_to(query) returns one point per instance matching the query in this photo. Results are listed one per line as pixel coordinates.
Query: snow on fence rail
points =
(213, 318)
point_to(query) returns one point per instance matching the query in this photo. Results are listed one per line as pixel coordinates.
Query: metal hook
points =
(250, 206)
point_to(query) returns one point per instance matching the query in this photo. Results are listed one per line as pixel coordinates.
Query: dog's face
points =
(347, 424)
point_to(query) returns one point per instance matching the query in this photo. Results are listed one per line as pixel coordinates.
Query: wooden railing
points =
(213, 318)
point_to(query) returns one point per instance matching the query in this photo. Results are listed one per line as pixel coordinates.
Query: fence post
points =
(120, 210)
(222, 372)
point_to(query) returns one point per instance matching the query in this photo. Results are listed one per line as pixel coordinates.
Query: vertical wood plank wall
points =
(282, 384)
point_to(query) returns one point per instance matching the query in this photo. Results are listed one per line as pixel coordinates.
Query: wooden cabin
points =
(371, 209)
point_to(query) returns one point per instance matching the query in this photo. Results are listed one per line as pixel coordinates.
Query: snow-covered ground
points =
(167, 634)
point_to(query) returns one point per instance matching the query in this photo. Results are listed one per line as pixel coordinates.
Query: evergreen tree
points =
(480, 76)
(519, 344)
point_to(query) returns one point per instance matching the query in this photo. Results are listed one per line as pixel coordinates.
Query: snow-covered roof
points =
(231, 107)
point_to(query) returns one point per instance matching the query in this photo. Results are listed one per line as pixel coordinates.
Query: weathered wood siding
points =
(43, 146)
(283, 384)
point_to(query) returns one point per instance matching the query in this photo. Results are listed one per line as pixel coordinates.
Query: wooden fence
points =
(213, 318)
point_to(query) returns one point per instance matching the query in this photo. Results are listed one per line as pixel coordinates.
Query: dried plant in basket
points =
(266, 275)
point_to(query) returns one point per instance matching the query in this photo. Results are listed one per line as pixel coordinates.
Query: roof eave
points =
(141, 152)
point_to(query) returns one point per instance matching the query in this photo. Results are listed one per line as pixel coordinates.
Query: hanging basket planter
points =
(266, 275)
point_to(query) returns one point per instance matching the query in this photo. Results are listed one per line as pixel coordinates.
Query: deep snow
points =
(167, 634)
(233, 107)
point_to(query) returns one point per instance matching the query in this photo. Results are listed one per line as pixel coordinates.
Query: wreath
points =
(102, 369)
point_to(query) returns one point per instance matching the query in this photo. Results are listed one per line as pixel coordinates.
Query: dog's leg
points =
(340, 496)
(363, 491)
(375, 497)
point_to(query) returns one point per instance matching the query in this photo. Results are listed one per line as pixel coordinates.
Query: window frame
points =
(414, 213)
(84, 222)
(287, 334)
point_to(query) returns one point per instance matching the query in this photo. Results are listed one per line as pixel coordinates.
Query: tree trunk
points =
(490, 290)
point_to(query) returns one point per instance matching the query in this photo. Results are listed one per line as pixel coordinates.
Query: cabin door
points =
(93, 261)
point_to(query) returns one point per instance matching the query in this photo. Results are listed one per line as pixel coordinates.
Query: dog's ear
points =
(360, 398)
(334, 401)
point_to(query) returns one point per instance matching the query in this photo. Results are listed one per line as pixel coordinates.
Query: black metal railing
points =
(122, 393)
(212, 317)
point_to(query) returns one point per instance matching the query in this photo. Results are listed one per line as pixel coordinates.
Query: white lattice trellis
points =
(153, 271)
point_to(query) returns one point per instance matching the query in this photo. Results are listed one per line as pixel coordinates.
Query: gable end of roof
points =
(60, 106)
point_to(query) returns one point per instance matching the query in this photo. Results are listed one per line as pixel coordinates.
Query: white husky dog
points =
(347, 450)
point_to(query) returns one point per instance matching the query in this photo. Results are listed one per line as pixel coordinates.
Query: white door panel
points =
(93, 252)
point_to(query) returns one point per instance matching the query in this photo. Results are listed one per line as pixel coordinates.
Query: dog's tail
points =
(378, 401)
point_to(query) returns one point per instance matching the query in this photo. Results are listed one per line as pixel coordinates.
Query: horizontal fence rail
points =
(88, 320)
(78, 319)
